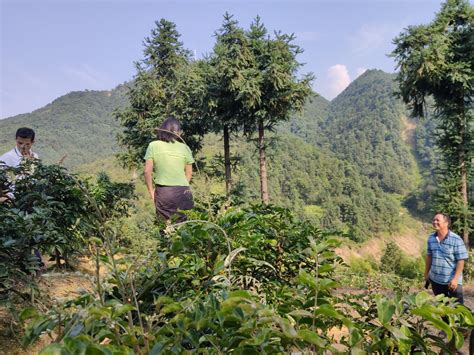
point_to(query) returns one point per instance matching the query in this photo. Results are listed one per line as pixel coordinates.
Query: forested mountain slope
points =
(79, 124)
(363, 126)
(316, 183)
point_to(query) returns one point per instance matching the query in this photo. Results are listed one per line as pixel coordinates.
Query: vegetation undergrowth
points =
(232, 278)
(246, 280)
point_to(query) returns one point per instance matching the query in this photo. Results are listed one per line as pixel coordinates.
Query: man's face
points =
(24, 145)
(439, 222)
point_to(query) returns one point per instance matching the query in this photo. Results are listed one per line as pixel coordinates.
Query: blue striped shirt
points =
(444, 257)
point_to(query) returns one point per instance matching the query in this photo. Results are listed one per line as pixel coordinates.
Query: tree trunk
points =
(465, 201)
(263, 163)
(228, 172)
(463, 153)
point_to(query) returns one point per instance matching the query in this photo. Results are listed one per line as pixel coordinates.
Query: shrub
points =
(190, 298)
(391, 259)
(52, 211)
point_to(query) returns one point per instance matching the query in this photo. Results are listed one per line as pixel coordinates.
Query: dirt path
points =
(408, 133)
(54, 287)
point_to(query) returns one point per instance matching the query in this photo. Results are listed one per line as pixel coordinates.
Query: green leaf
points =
(397, 332)
(240, 294)
(327, 310)
(312, 338)
(458, 339)
(162, 300)
(385, 310)
(287, 328)
(118, 311)
(325, 268)
(76, 329)
(170, 308)
(27, 313)
(301, 313)
(427, 314)
(422, 297)
(307, 279)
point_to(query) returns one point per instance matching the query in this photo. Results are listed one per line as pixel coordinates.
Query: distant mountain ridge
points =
(363, 126)
(79, 124)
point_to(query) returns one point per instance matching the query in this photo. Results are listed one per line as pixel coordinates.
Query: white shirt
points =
(13, 158)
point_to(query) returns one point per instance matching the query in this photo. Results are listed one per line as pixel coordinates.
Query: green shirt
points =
(169, 161)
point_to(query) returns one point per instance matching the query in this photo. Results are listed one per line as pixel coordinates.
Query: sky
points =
(52, 47)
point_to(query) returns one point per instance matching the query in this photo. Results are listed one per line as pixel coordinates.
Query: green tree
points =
(391, 259)
(166, 83)
(278, 90)
(230, 85)
(438, 60)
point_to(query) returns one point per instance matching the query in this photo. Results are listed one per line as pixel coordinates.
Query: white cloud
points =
(360, 71)
(338, 78)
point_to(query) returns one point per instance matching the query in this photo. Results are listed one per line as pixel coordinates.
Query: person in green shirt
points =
(168, 171)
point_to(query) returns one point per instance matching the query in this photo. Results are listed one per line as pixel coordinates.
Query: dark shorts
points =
(170, 199)
(443, 289)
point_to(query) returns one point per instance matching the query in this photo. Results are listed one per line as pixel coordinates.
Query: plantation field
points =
(60, 286)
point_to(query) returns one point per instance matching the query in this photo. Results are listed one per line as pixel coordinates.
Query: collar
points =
(440, 241)
(18, 152)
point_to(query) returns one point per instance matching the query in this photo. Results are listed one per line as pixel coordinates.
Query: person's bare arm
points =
(188, 171)
(453, 284)
(149, 178)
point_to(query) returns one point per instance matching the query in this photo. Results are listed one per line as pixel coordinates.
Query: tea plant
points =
(54, 212)
(254, 280)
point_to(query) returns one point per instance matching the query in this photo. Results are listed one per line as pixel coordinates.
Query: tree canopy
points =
(437, 60)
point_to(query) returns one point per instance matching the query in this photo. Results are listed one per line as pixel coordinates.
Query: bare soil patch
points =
(411, 243)
(54, 286)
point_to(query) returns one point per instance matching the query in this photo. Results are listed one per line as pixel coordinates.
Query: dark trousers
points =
(443, 289)
(170, 199)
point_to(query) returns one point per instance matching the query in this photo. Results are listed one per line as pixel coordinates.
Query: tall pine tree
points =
(166, 83)
(277, 90)
(230, 85)
(438, 60)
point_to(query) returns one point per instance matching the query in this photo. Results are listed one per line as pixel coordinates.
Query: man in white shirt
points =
(25, 137)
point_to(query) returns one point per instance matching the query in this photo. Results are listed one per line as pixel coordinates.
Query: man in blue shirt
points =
(445, 255)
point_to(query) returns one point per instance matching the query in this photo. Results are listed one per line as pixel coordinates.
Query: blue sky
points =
(52, 47)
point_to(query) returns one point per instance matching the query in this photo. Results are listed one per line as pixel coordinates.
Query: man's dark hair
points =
(25, 132)
(169, 130)
(446, 217)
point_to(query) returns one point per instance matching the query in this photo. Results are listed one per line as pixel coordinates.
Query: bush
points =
(52, 211)
(391, 259)
(363, 266)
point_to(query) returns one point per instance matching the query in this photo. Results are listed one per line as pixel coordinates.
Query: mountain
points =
(366, 124)
(79, 125)
(346, 163)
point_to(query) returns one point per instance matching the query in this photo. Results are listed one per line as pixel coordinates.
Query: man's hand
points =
(453, 284)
